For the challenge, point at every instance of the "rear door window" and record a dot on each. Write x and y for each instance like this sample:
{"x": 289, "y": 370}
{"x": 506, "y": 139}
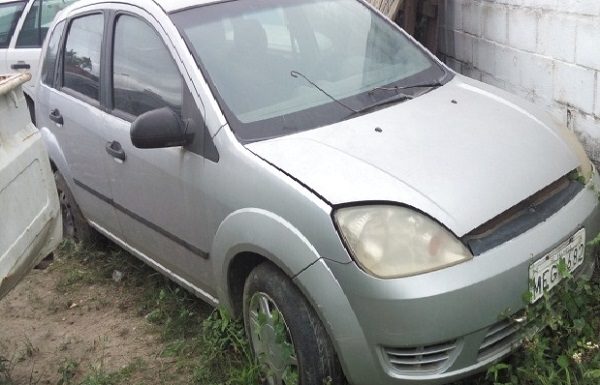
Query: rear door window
{"x": 82, "y": 56}
{"x": 9, "y": 16}
{"x": 38, "y": 20}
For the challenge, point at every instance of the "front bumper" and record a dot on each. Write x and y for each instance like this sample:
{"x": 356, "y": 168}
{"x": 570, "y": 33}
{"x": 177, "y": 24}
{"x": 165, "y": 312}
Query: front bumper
{"x": 445, "y": 325}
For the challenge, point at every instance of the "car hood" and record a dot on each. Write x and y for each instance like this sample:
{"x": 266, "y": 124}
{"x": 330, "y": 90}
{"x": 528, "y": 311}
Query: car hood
{"x": 463, "y": 153}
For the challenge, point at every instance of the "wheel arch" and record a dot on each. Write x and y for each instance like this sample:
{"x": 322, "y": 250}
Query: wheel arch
{"x": 249, "y": 237}
{"x": 239, "y": 269}
{"x": 58, "y": 162}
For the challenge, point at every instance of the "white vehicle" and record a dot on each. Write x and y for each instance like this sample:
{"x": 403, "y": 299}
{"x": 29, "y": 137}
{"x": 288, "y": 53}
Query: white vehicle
{"x": 23, "y": 28}
{"x": 30, "y": 225}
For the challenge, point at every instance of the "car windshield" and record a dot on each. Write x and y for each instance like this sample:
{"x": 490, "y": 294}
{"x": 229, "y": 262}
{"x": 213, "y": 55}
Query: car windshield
{"x": 9, "y": 15}
{"x": 251, "y": 52}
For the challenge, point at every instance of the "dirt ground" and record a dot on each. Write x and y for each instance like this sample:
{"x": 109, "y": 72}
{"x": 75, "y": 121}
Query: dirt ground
{"x": 50, "y": 335}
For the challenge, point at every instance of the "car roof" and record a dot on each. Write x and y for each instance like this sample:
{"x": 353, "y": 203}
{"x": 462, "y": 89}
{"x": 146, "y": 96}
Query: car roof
{"x": 174, "y": 5}
{"x": 167, "y": 6}
{"x": 12, "y": 1}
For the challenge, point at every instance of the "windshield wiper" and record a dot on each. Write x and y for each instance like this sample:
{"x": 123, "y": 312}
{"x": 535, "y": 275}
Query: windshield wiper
{"x": 397, "y": 98}
{"x": 411, "y": 86}
{"x": 296, "y": 74}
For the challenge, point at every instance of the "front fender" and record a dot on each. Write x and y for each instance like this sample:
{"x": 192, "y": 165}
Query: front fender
{"x": 261, "y": 232}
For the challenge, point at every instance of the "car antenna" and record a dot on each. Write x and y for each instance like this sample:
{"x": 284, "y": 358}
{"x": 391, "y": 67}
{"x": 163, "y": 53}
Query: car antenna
{"x": 296, "y": 74}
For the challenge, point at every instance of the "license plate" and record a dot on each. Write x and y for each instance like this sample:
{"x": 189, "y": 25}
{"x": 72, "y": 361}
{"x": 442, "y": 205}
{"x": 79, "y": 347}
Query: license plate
{"x": 544, "y": 273}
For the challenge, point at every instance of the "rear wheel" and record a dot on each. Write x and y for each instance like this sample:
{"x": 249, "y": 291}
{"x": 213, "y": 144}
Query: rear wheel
{"x": 75, "y": 227}
{"x": 288, "y": 339}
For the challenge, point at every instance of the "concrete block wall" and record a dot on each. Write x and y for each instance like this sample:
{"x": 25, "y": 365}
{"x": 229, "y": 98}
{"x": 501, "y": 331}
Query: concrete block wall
{"x": 546, "y": 51}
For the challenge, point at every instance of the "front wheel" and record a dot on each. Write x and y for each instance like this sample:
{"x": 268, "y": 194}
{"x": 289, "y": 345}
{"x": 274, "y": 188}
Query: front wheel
{"x": 288, "y": 339}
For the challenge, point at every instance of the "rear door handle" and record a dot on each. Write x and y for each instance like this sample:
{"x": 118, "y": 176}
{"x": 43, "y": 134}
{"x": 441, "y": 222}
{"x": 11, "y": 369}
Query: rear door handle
{"x": 20, "y": 66}
{"x": 115, "y": 150}
{"x": 56, "y": 117}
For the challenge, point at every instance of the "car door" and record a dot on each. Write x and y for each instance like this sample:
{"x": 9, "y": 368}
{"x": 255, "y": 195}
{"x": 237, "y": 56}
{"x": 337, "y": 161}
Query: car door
{"x": 10, "y": 13}
{"x": 24, "y": 51}
{"x": 69, "y": 106}
{"x": 158, "y": 192}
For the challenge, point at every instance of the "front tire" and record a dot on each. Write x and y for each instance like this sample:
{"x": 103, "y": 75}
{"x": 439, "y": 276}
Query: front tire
{"x": 288, "y": 339}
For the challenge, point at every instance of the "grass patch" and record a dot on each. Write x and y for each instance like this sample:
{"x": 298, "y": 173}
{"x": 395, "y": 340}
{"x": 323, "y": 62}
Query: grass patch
{"x": 99, "y": 376}
{"x": 212, "y": 349}
{"x": 85, "y": 264}
{"x": 5, "y": 371}
{"x": 227, "y": 352}
{"x": 565, "y": 350}
{"x": 67, "y": 372}
{"x": 206, "y": 346}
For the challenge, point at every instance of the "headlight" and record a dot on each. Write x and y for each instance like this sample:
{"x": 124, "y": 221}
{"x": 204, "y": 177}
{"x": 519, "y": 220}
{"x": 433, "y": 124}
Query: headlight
{"x": 394, "y": 241}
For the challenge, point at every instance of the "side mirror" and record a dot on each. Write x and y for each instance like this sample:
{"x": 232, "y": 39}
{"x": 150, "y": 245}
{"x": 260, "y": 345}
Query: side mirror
{"x": 160, "y": 128}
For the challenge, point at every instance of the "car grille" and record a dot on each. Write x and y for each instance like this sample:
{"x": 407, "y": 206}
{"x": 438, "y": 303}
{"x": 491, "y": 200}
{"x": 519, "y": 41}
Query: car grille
{"x": 422, "y": 359}
{"x": 522, "y": 217}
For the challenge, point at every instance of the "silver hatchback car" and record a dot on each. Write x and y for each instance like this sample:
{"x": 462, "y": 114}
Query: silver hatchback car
{"x": 309, "y": 166}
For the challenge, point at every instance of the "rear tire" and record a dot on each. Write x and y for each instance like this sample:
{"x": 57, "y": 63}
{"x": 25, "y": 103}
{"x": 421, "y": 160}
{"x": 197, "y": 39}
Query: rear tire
{"x": 288, "y": 339}
{"x": 75, "y": 226}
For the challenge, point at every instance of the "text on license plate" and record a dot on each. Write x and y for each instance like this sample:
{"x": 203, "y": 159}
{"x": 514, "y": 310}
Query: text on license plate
{"x": 544, "y": 273}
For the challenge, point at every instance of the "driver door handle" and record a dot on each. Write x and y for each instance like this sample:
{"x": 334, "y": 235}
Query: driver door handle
{"x": 20, "y": 66}
{"x": 115, "y": 150}
{"x": 56, "y": 117}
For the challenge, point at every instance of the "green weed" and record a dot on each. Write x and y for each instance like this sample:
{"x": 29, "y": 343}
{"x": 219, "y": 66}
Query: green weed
{"x": 226, "y": 357}
{"x": 214, "y": 348}
{"x": 177, "y": 312}
{"x": 576, "y": 175}
{"x": 99, "y": 376}
{"x": 565, "y": 350}
{"x": 67, "y": 371}
{"x": 5, "y": 372}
